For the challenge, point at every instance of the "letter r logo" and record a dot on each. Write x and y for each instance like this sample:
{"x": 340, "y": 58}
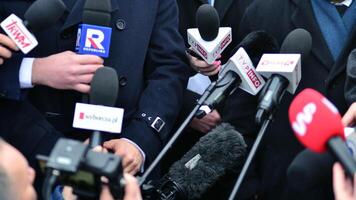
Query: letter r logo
{"x": 94, "y": 39}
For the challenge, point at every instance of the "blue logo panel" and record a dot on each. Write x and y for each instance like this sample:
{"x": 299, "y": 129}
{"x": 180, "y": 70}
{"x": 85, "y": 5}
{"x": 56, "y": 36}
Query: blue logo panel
{"x": 93, "y": 40}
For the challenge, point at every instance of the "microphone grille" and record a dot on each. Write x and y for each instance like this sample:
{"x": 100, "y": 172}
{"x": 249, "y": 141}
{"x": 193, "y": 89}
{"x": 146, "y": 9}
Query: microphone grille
{"x": 297, "y": 41}
{"x": 208, "y": 22}
{"x": 97, "y": 12}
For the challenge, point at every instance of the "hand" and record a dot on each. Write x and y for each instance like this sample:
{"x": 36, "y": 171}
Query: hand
{"x": 132, "y": 190}
{"x": 343, "y": 188}
{"x": 6, "y": 45}
{"x": 203, "y": 67}
{"x": 131, "y": 157}
{"x": 207, "y": 123}
{"x": 66, "y": 70}
{"x": 349, "y": 118}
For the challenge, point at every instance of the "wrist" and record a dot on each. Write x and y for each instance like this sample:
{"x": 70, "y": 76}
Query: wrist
{"x": 37, "y": 77}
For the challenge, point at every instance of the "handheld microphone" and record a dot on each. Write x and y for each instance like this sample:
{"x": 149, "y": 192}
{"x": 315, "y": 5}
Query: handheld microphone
{"x": 220, "y": 151}
{"x": 208, "y": 41}
{"x": 283, "y": 71}
{"x": 94, "y": 35}
{"x": 307, "y": 115}
{"x": 40, "y": 15}
{"x": 103, "y": 91}
{"x": 350, "y": 84}
{"x": 239, "y": 71}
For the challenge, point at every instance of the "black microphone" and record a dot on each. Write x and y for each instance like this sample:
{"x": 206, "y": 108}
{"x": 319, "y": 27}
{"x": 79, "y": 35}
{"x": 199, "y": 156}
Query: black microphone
{"x": 309, "y": 170}
{"x": 350, "y": 84}
{"x": 103, "y": 91}
{"x": 208, "y": 40}
{"x": 298, "y": 41}
{"x": 40, "y": 15}
{"x": 239, "y": 70}
{"x": 43, "y": 14}
{"x": 220, "y": 151}
{"x": 94, "y": 34}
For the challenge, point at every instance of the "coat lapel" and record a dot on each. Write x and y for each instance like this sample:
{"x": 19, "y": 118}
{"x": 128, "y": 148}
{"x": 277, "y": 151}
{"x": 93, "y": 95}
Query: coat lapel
{"x": 222, "y": 7}
{"x": 75, "y": 8}
{"x": 303, "y": 17}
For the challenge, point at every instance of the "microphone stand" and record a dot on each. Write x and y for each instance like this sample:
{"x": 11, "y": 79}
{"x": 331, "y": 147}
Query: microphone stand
{"x": 170, "y": 143}
{"x": 250, "y": 157}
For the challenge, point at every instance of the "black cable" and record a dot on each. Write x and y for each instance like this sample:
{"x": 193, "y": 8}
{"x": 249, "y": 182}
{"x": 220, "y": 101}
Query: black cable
{"x": 49, "y": 182}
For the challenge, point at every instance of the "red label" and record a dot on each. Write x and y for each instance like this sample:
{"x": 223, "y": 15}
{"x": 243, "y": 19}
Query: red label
{"x": 202, "y": 51}
{"x": 253, "y": 77}
{"x": 225, "y": 42}
{"x": 81, "y": 115}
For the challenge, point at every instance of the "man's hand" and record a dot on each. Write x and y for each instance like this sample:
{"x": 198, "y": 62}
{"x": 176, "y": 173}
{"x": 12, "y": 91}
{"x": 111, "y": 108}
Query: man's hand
{"x": 349, "y": 118}
{"x": 207, "y": 123}
{"x": 6, "y": 45}
{"x": 343, "y": 188}
{"x": 132, "y": 190}
{"x": 66, "y": 70}
{"x": 203, "y": 67}
{"x": 131, "y": 156}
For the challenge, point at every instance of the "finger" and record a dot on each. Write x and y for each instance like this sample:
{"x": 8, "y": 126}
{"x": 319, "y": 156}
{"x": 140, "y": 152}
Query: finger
{"x": 350, "y": 116}
{"x": 98, "y": 149}
{"x": 86, "y": 78}
{"x": 86, "y": 69}
{"x": 126, "y": 161}
{"x": 339, "y": 181}
{"x": 89, "y": 59}
{"x": 1, "y": 61}
{"x": 83, "y": 88}
{"x": 216, "y": 116}
{"x": 131, "y": 168}
{"x": 132, "y": 190}
{"x": 4, "y": 52}
{"x": 215, "y": 71}
{"x": 6, "y": 41}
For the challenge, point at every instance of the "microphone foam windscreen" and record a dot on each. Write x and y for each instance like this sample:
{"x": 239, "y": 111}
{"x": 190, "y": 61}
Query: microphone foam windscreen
{"x": 97, "y": 12}
{"x": 314, "y": 120}
{"x": 350, "y": 85}
{"x": 104, "y": 87}
{"x": 297, "y": 41}
{"x": 208, "y": 22}
{"x": 44, "y": 13}
{"x": 309, "y": 170}
{"x": 221, "y": 150}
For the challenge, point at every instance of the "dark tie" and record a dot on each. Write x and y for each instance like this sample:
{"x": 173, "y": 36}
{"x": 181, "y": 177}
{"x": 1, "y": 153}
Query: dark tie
{"x": 341, "y": 9}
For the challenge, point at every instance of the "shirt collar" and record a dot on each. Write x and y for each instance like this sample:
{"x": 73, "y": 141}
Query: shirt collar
{"x": 345, "y": 3}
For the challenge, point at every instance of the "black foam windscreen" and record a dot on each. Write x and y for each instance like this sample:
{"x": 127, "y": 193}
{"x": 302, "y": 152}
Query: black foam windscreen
{"x": 97, "y": 12}
{"x": 350, "y": 84}
{"x": 208, "y": 22}
{"x": 104, "y": 87}
{"x": 309, "y": 170}
{"x": 220, "y": 151}
{"x": 44, "y": 13}
{"x": 297, "y": 41}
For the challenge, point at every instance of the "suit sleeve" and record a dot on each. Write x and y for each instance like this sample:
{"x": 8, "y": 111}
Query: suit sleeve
{"x": 166, "y": 76}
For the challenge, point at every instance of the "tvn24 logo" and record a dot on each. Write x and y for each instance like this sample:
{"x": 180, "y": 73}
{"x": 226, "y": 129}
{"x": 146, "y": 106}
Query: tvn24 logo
{"x": 93, "y": 40}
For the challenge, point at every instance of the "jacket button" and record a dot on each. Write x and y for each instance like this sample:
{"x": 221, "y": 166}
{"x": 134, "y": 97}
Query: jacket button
{"x": 122, "y": 81}
{"x": 120, "y": 24}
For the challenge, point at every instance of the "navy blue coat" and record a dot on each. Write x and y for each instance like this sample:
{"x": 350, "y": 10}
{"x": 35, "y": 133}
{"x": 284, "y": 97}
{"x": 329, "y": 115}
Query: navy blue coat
{"x": 147, "y": 52}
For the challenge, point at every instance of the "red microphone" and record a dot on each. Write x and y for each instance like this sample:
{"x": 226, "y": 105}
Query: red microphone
{"x": 317, "y": 124}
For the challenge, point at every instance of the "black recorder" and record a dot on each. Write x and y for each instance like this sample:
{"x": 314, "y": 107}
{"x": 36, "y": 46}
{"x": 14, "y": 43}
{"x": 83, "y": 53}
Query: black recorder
{"x": 72, "y": 163}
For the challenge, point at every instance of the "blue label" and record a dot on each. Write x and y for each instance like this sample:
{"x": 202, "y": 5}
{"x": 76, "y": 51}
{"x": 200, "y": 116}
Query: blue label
{"x": 93, "y": 40}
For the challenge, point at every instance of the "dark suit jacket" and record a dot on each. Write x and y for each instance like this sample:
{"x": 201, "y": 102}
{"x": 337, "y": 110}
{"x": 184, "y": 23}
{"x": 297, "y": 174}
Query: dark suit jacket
{"x": 147, "y": 53}
{"x": 319, "y": 72}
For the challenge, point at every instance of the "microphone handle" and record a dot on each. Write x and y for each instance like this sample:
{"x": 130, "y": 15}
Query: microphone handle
{"x": 95, "y": 139}
{"x": 338, "y": 148}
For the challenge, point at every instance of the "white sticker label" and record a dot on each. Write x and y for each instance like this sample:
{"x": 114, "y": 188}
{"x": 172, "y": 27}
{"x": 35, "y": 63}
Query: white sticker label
{"x": 100, "y": 118}
{"x": 16, "y": 30}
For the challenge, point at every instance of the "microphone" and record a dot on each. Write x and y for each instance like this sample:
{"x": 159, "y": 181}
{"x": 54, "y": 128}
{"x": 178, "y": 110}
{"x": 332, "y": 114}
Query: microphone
{"x": 283, "y": 71}
{"x": 350, "y": 84}
{"x": 239, "y": 71}
{"x": 208, "y": 41}
{"x": 94, "y": 34}
{"x": 103, "y": 91}
{"x": 220, "y": 151}
{"x": 307, "y": 115}
{"x": 40, "y": 15}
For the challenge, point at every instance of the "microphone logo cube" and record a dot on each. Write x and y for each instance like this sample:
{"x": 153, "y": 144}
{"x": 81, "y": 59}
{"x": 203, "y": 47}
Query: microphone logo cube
{"x": 93, "y": 40}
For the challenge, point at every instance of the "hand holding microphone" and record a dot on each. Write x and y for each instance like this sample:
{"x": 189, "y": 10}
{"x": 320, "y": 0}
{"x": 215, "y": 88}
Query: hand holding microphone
{"x": 349, "y": 119}
{"x": 344, "y": 188}
{"x": 6, "y": 46}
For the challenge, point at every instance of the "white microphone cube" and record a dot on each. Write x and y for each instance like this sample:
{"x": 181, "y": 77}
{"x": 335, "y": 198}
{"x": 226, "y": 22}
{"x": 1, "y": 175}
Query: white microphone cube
{"x": 209, "y": 50}
{"x": 286, "y": 65}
